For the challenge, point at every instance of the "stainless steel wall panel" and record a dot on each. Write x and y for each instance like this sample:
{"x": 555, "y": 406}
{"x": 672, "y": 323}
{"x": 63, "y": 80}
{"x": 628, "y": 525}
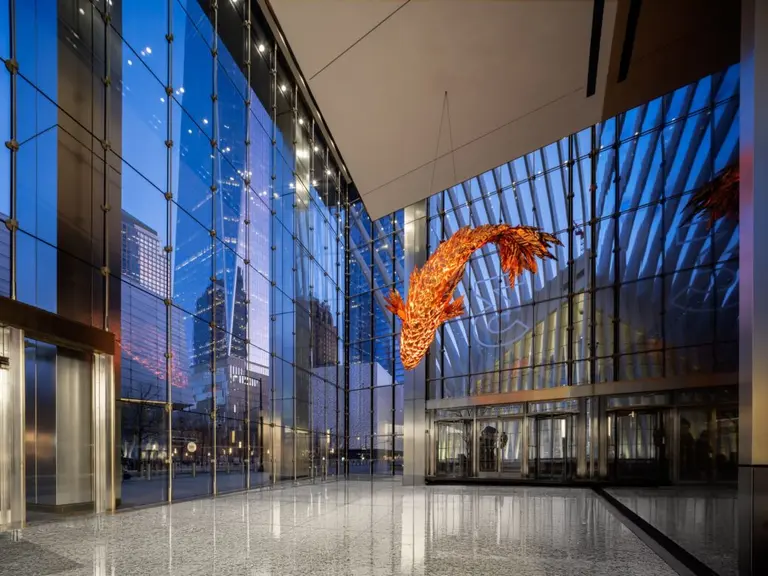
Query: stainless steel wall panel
{"x": 415, "y": 381}
{"x": 74, "y": 438}
{"x": 12, "y": 481}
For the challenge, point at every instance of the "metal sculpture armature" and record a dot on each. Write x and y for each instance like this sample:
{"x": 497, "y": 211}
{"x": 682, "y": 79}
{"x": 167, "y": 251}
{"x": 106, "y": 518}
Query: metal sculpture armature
{"x": 719, "y": 197}
{"x": 430, "y": 293}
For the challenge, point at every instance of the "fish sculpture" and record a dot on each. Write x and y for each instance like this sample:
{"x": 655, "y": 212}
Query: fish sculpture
{"x": 430, "y": 293}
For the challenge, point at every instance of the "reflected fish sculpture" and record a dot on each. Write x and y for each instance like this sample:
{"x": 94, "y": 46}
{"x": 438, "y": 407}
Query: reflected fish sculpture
{"x": 430, "y": 293}
{"x": 718, "y": 198}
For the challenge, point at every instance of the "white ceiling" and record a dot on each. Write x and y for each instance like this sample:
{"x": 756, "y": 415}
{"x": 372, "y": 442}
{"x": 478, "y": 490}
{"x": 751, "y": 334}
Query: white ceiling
{"x": 515, "y": 73}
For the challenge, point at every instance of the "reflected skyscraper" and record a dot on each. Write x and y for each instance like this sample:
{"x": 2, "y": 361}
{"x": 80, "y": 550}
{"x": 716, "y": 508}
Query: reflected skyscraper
{"x": 143, "y": 324}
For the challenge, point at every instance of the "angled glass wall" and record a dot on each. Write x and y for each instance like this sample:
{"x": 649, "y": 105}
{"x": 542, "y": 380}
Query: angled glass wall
{"x": 637, "y": 291}
{"x": 170, "y": 186}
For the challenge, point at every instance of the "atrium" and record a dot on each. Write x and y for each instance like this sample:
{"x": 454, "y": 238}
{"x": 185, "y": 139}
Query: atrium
{"x": 382, "y": 288}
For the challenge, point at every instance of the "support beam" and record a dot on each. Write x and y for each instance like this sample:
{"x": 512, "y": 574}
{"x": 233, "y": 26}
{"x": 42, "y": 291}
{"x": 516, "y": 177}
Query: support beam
{"x": 414, "y": 415}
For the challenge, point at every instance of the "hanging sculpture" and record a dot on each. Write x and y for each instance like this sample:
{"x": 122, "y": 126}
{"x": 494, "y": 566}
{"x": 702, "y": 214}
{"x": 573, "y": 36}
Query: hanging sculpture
{"x": 430, "y": 294}
{"x": 719, "y": 197}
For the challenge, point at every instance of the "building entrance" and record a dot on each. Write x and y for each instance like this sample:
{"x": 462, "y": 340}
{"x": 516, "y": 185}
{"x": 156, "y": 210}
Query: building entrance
{"x": 552, "y": 447}
{"x": 637, "y": 446}
{"x": 454, "y": 449}
{"x": 500, "y": 450}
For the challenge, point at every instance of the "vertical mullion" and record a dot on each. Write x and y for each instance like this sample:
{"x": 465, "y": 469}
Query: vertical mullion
{"x": 275, "y": 226}
{"x": 593, "y": 257}
{"x": 168, "y": 247}
{"x": 298, "y": 255}
{"x": 616, "y": 254}
{"x": 214, "y": 200}
{"x": 12, "y": 65}
{"x": 247, "y": 260}
{"x": 569, "y": 210}
{"x": 348, "y": 252}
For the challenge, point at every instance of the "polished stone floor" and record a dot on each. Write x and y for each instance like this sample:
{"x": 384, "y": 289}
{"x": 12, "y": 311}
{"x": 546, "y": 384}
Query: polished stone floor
{"x": 702, "y": 520}
{"x": 365, "y": 528}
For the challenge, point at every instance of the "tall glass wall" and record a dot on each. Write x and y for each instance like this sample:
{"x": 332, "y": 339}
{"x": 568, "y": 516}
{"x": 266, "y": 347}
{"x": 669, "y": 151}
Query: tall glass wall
{"x": 169, "y": 185}
{"x": 376, "y": 262}
{"x": 637, "y": 291}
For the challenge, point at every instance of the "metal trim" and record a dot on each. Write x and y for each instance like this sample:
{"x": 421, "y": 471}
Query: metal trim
{"x": 589, "y": 390}
{"x": 43, "y": 325}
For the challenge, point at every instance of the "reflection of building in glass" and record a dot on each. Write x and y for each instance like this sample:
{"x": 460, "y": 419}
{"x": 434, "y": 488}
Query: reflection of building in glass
{"x": 320, "y": 326}
{"x": 143, "y": 319}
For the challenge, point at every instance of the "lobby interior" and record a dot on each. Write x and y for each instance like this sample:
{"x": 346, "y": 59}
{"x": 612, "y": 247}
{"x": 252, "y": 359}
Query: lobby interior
{"x": 208, "y": 206}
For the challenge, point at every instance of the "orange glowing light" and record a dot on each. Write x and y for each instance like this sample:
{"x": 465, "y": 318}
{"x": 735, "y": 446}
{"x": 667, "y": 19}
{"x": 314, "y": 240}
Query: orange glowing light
{"x": 430, "y": 292}
{"x": 719, "y": 197}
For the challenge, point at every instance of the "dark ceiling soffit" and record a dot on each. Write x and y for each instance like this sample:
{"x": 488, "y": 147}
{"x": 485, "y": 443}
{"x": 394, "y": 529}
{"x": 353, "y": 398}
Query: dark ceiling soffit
{"x": 44, "y": 325}
{"x": 629, "y": 38}
{"x": 293, "y": 65}
{"x": 598, "y": 8}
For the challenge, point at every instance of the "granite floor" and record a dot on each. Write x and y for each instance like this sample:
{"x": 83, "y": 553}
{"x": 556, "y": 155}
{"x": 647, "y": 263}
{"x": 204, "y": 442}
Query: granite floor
{"x": 702, "y": 520}
{"x": 365, "y": 528}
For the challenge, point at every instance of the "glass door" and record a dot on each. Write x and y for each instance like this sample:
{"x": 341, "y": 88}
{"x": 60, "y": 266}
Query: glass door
{"x": 511, "y": 447}
{"x": 454, "y": 441}
{"x": 488, "y": 461}
{"x": 554, "y": 447}
{"x": 638, "y": 445}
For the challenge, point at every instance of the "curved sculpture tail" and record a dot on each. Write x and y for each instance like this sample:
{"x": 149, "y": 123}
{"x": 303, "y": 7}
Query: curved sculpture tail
{"x": 519, "y": 246}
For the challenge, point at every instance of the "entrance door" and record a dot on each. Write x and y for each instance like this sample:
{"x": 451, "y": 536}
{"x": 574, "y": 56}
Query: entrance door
{"x": 511, "y": 447}
{"x": 552, "y": 451}
{"x": 454, "y": 441}
{"x": 500, "y": 446}
{"x": 640, "y": 446}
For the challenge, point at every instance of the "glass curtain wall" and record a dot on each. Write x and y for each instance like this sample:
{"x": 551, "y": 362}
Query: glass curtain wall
{"x": 376, "y": 265}
{"x": 208, "y": 233}
{"x": 638, "y": 289}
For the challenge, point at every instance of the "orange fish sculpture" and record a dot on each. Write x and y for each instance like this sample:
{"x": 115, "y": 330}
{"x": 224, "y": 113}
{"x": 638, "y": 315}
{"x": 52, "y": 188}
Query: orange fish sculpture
{"x": 430, "y": 294}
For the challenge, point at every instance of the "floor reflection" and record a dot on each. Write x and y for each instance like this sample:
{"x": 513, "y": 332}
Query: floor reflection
{"x": 701, "y": 520}
{"x": 359, "y": 528}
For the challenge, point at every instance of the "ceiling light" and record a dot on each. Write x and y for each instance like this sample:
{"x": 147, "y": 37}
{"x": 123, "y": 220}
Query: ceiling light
{"x": 181, "y": 89}
{"x": 316, "y": 149}
{"x": 162, "y": 99}
{"x": 327, "y": 172}
{"x": 262, "y": 47}
{"x": 148, "y": 49}
{"x": 283, "y": 87}
{"x": 190, "y": 130}
{"x": 205, "y": 120}
{"x": 314, "y": 182}
{"x": 130, "y": 62}
{"x": 82, "y": 11}
{"x": 301, "y": 121}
